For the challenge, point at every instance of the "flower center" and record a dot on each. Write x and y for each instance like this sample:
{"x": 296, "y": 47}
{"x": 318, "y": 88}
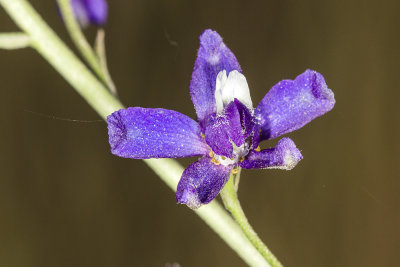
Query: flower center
{"x": 238, "y": 154}
{"x": 230, "y": 130}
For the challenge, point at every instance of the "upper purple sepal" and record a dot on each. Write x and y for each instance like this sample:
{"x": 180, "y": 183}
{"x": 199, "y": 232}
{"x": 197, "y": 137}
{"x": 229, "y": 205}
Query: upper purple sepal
{"x": 213, "y": 56}
{"x": 201, "y": 182}
{"x": 142, "y": 133}
{"x": 291, "y": 104}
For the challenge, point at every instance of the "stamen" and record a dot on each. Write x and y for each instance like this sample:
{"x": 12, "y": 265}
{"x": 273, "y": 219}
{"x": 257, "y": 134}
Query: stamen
{"x": 241, "y": 160}
{"x": 235, "y": 171}
{"x": 216, "y": 162}
{"x": 258, "y": 149}
{"x": 202, "y": 135}
{"x": 211, "y": 154}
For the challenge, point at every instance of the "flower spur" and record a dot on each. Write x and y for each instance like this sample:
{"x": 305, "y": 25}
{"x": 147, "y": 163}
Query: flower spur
{"x": 228, "y": 130}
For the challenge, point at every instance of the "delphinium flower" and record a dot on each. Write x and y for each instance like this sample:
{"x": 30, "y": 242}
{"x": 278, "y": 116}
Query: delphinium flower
{"x": 90, "y": 11}
{"x": 229, "y": 128}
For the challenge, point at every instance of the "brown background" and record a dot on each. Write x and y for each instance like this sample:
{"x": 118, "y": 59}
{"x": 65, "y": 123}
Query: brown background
{"x": 66, "y": 201}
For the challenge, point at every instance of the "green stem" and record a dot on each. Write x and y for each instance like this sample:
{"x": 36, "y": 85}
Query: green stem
{"x": 231, "y": 201}
{"x": 80, "y": 41}
{"x": 47, "y": 43}
{"x": 14, "y": 40}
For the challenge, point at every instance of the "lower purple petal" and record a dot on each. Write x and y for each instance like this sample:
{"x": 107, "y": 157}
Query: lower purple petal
{"x": 217, "y": 136}
{"x": 290, "y": 105}
{"x": 284, "y": 156}
{"x": 142, "y": 133}
{"x": 201, "y": 182}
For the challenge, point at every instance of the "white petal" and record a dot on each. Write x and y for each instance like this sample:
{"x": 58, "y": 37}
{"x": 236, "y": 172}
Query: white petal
{"x": 221, "y": 80}
{"x": 231, "y": 87}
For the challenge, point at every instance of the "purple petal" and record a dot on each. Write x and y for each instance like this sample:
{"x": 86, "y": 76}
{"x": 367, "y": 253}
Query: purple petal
{"x": 224, "y": 129}
{"x": 142, "y": 133}
{"x": 290, "y": 105}
{"x": 217, "y": 136}
{"x": 212, "y": 57}
{"x": 249, "y": 125}
{"x": 97, "y": 11}
{"x": 201, "y": 182}
{"x": 284, "y": 156}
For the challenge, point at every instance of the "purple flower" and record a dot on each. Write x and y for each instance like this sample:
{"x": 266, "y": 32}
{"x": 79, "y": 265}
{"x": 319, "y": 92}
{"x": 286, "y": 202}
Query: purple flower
{"x": 90, "y": 11}
{"x": 228, "y": 130}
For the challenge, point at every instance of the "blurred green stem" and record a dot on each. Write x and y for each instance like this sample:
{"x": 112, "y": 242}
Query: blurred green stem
{"x": 231, "y": 202}
{"x": 14, "y": 40}
{"x": 47, "y": 43}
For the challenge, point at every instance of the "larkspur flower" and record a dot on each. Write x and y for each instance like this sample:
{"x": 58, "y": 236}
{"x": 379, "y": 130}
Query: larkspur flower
{"x": 229, "y": 129}
{"x": 90, "y": 11}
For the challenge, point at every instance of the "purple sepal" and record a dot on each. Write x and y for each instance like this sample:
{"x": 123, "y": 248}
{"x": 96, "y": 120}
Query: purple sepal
{"x": 284, "y": 156}
{"x": 142, "y": 133}
{"x": 201, "y": 182}
{"x": 291, "y": 104}
{"x": 213, "y": 56}
{"x": 90, "y": 11}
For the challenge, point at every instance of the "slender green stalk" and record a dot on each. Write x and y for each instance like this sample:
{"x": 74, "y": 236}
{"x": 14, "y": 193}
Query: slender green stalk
{"x": 81, "y": 43}
{"x": 46, "y": 42}
{"x": 14, "y": 40}
{"x": 231, "y": 201}
{"x": 100, "y": 47}
{"x": 237, "y": 179}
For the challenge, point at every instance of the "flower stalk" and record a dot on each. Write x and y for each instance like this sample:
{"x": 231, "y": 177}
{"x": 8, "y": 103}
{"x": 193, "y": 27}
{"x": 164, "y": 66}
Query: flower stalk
{"x": 230, "y": 199}
{"x": 100, "y": 49}
{"x": 47, "y": 43}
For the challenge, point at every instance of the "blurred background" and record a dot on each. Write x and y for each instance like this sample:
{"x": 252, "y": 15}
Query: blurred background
{"x": 66, "y": 201}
